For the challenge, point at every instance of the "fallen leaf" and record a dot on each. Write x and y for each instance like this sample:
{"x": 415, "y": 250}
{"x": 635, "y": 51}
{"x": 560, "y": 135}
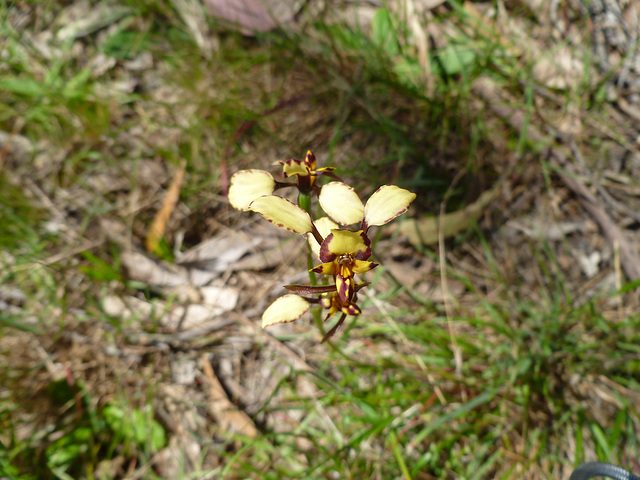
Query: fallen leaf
{"x": 225, "y": 412}
{"x": 159, "y": 225}
{"x": 424, "y": 231}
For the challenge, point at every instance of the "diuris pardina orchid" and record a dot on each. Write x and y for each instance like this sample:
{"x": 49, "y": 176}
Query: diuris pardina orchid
{"x": 247, "y": 185}
{"x": 343, "y": 252}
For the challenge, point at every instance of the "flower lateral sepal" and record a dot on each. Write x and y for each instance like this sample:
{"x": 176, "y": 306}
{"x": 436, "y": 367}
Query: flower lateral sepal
{"x": 247, "y": 185}
{"x": 386, "y": 204}
{"x": 285, "y": 309}
{"x": 282, "y": 213}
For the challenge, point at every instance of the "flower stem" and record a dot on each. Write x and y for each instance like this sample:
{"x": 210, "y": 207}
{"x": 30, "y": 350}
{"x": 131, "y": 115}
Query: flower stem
{"x": 304, "y": 201}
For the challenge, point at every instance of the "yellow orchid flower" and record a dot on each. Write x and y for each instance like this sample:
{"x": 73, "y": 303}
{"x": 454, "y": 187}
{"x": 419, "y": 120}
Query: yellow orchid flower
{"x": 344, "y": 253}
{"x": 305, "y": 172}
{"x": 342, "y": 204}
{"x": 284, "y": 310}
{"x": 247, "y": 185}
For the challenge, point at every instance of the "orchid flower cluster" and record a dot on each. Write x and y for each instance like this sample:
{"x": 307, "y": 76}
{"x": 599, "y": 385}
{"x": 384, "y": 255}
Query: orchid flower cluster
{"x": 343, "y": 251}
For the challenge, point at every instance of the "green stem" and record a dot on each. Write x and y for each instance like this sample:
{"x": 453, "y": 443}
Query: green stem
{"x": 304, "y": 201}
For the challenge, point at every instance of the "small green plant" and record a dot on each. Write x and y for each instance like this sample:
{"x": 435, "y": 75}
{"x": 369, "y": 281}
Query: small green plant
{"x": 93, "y": 434}
{"x": 135, "y": 428}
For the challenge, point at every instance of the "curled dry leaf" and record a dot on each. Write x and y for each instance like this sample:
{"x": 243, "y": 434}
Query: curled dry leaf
{"x": 159, "y": 224}
{"x": 230, "y": 417}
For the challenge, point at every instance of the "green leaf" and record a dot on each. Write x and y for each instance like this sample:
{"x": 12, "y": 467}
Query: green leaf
{"x": 60, "y": 391}
{"x": 383, "y": 33}
{"x": 99, "y": 269}
{"x": 11, "y": 322}
{"x": 453, "y": 59}
{"x": 601, "y": 441}
{"x": 137, "y": 426}
{"x": 125, "y": 45}
{"x": 408, "y": 71}
{"x": 63, "y": 451}
{"x": 76, "y": 86}
{"x": 27, "y": 87}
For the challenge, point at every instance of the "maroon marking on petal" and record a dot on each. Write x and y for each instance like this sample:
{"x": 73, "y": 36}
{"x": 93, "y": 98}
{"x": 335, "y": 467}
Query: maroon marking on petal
{"x": 351, "y": 309}
{"x": 365, "y": 227}
{"x": 342, "y": 287}
{"x": 359, "y": 286}
{"x": 320, "y": 269}
{"x": 310, "y": 160}
{"x": 345, "y": 288}
{"x": 278, "y": 224}
{"x": 325, "y": 255}
{"x": 289, "y": 162}
{"x": 366, "y": 253}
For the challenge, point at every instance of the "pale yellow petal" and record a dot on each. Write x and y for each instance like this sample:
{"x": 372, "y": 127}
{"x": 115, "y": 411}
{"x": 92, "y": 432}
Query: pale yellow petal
{"x": 324, "y": 226}
{"x": 293, "y": 167}
{"x": 282, "y": 213}
{"x": 247, "y": 185}
{"x": 341, "y": 202}
{"x": 387, "y": 203}
{"x": 345, "y": 242}
{"x": 284, "y": 310}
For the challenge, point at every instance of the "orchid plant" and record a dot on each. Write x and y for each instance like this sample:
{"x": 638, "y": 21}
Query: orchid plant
{"x": 339, "y": 240}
